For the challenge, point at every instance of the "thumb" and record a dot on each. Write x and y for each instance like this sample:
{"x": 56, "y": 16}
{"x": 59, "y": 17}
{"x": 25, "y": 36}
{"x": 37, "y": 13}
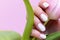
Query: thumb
{"x": 53, "y": 10}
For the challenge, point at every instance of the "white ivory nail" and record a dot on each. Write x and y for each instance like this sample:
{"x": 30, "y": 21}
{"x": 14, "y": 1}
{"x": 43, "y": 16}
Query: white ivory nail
{"x": 41, "y": 27}
{"x": 42, "y": 36}
{"x": 44, "y": 17}
{"x": 45, "y": 4}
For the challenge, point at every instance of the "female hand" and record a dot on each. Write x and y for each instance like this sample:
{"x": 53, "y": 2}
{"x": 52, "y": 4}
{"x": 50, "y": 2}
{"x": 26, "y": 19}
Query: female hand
{"x": 45, "y": 9}
{"x": 53, "y": 14}
{"x": 39, "y": 17}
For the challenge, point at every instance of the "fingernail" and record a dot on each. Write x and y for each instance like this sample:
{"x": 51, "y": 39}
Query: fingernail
{"x": 41, "y": 27}
{"x": 45, "y": 4}
{"x": 44, "y": 17}
{"x": 42, "y": 36}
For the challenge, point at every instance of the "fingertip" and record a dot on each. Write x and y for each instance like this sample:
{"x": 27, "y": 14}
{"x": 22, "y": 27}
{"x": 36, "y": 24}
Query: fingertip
{"x": 37, "y": 34}
{"x": 44, "y": 17}
{"x": 42, "y": 36}
{"x": 41, "y": 27}
{"x": 43, "y": 4}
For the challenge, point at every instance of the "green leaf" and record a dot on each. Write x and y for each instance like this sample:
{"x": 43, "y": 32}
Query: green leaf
{"x": 53, "y": 36}
{"x": 9, "y": 35}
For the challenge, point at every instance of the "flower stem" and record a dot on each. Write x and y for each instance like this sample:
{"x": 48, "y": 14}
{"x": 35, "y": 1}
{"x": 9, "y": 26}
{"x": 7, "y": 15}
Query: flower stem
{"x": 30, "y": 21}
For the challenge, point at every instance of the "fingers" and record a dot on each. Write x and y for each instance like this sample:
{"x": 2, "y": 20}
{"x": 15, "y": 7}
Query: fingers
{"x": 38, "y": 24}
{"x": 37, "y": 34}
{"x": 40, "y": 13}
{"x": 53, "y": 9}
{"x": 43, "y": 4}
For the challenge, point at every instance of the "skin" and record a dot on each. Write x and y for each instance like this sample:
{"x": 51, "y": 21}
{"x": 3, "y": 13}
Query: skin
{"x": 52, "y": 24}
{"x": 53, "y": 11}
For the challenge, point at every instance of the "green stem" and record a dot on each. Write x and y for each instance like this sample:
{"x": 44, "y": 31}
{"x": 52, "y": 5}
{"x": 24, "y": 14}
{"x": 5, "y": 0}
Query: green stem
{"x": 30, "y": 21}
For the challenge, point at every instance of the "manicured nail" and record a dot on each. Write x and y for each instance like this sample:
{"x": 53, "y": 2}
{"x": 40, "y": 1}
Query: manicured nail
{"x": 42, "y": 36}
{"x": 45, "y": 4}
{"x": 41, "y": 27}
{"x": 44, "y": 17}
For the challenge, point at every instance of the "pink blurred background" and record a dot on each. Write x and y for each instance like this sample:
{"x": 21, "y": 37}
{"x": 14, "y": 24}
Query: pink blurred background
{"x": 13, "y": 15}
